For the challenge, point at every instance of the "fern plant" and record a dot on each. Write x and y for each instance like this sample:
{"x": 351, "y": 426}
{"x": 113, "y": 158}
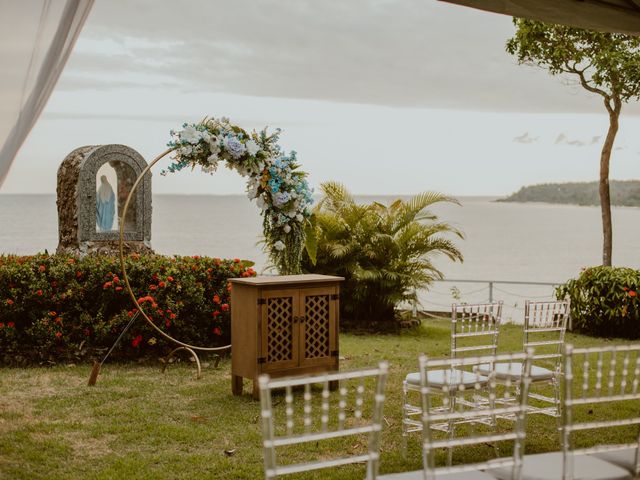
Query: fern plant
{"x": 384, "y": 252}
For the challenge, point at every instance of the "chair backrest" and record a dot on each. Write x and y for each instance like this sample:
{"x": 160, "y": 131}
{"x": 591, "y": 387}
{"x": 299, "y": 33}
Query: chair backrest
{"x": 608, "y": 376}
{"x": 352, "y": 417}
{"x": 458, "y": 385}
{"x": 545, "y": 324}
{"x": 478, "y": 324}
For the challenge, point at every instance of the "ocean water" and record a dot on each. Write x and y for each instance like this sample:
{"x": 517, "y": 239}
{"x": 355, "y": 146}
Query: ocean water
{"x": 503, "y": 241}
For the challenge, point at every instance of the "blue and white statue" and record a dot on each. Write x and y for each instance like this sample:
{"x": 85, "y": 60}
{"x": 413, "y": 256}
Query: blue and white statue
{"x": 105, "y": 205}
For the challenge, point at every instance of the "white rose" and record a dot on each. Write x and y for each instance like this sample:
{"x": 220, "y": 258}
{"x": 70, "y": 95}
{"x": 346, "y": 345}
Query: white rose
{"x": 252, "y": 147}
{"x": 279, "y": 245}
{"x": 261, "y": 203}
{"x": 205, "y": 136}
{"x": 291, "y": 213}
{"x": 186, "y": 151}
{"x": 190, "y": 135}
{"x": 299, "y": 217}
{"x": 287, "y": 229}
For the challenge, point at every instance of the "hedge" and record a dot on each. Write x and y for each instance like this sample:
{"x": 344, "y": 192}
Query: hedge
{"x": 604, "y": 301}
{"x": 60, "y": 308}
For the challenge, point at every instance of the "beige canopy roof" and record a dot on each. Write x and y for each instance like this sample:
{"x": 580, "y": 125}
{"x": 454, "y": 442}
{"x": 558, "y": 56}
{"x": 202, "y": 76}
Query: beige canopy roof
{"x": 620, "y": 16}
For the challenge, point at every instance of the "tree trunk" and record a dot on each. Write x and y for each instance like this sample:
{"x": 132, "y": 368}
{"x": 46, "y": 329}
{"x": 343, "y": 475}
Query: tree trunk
{"x": 605, "y": 197}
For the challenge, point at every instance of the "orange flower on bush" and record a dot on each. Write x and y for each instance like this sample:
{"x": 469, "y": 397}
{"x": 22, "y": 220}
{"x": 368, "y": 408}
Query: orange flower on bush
{"x": 161, "y": 284}
{"x": 42, "y": 268}
{"x": 9, "y": 302}
{"x": 107, "y": 285}
{"x": 632, "y": 293}
{"x": 172, "y": 316}
{"x": 78, "y": 274}
{"x": 216, "y": 298}
{"x": 169, "y": 279}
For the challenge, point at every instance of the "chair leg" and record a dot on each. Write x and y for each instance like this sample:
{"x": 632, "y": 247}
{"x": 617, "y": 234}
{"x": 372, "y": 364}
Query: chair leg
{"x": 405, "y": 417}
{"x": 451, "y": 427}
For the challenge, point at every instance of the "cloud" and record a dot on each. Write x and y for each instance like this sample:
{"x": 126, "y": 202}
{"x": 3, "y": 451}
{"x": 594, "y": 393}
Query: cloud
{"x": 525, "y": 138}
{"x": 595, "y": 139}
{"x": 397, "y": 53}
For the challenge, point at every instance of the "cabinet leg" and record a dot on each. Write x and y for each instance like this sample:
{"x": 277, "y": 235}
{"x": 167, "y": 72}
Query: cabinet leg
{"x": 333, "y": 386}
{"x": 236, "y": 385}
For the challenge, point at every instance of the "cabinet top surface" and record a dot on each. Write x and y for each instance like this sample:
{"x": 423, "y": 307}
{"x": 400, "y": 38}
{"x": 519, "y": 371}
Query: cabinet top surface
{"x": 286, "y": 279}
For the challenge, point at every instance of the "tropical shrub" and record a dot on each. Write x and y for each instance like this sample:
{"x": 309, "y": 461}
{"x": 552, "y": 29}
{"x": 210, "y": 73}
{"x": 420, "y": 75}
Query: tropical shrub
{"x": 63, "y": 308}
{"x": 604, "y": 301}
{"x": 384, "y": 252}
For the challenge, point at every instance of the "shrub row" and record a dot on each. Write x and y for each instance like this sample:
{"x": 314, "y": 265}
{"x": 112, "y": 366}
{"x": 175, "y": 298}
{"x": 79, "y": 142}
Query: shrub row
{"x": 604, "y": 301}
{"x": 57, "y": 308}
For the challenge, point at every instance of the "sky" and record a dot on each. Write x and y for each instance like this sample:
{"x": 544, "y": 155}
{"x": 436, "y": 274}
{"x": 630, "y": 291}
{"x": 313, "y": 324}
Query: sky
{"x": 385, "y": 96}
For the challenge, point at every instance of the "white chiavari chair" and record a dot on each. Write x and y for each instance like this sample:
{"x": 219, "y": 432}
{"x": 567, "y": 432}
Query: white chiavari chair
{"x": 438, "y": 407}
{"x": 474, "y": 330}
{"x": 545, "y": 325}
{"x": 601, "y": 397}
{"x": 357, "y": 412}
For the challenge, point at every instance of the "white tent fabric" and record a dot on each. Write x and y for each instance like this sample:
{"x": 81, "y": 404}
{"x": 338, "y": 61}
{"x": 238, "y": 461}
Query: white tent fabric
{"x": 36, "y": 38}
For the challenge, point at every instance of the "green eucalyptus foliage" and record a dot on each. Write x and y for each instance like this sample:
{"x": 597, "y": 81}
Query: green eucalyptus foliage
{"x": 604, "y": 301}
{"x": 384, "y": 252}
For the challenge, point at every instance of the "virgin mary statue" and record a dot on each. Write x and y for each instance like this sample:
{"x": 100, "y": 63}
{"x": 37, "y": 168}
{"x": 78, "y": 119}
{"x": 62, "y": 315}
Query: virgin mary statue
{"x": 105, "y": 205}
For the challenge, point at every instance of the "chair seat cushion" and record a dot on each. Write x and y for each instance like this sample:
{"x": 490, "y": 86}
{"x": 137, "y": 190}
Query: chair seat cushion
{"x": 623, "y": 458}
{"x": 548, "y": 466}
{"x": 447, "y": 377}
{"x": 513, "y": 371}
{"x": 419, "y": 475}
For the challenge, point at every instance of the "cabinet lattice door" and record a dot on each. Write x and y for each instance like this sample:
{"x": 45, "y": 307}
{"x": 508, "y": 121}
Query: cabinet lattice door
{"x": 280, "y": 337}
{"x": 317, "y": 338}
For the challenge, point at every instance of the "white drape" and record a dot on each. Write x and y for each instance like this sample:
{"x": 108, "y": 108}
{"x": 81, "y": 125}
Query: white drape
{"x": 36, "y": 38}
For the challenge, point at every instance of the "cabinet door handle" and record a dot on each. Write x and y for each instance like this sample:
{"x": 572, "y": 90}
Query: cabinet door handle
{"x": 302, "y": 318}
{"x": 295, "y": 319}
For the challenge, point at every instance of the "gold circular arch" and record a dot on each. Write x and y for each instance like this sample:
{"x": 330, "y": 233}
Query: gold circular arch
{"x": 124, "y": 268}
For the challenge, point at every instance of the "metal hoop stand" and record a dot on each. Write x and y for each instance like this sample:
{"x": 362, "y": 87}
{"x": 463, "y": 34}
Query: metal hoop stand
{"x": 181, "y": 345}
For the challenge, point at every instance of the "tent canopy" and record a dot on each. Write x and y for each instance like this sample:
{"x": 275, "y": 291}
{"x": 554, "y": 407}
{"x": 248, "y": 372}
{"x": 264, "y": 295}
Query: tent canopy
{"x": 619, "y": 16}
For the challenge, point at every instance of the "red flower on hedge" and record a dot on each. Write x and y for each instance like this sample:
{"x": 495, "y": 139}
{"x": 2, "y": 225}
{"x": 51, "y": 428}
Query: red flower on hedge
{"x": 167, "y": 323}
{"x": 236, "y": 260}
{"x": 71, "y": 261}
{"x": 217, "y": 331}
{"x": 9, "y": 302}
{"x": 215, "y": 313}
{"x": 58, "y": 334}
{"x": 225, "y": 307}
{"x": 118, "y": 289}
{"x": 42, "y": 268}
{"x": 116, "y": 279}
{"x": 136, "y": 341}
{"x": 39, "y": 292}
{"x": 1, "y": 324}
{"x": 87, "y": 332}
{"x": 161, "y": 284}
{"x": 172, "y": 316}
{"x": 632, "y": 293}
{"x": 107, "y": 285}
{"x": 153, "y": 287}
{"x": 169, "y": 279}
{"x": 53, "y": 314}
{"x": 11, "y": 325}
{"x": 216, "y": 298}
{"x": 78, "y": 274}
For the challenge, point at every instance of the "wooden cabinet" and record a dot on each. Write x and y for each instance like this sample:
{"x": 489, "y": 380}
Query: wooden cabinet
{"x": 283, "y": 325}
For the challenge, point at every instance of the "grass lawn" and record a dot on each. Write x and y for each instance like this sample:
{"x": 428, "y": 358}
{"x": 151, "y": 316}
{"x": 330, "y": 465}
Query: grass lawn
{"x": 139, "y": 423}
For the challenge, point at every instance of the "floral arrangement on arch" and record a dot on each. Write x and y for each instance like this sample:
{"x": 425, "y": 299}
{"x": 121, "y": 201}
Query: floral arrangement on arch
{"x": 274, "y": 181}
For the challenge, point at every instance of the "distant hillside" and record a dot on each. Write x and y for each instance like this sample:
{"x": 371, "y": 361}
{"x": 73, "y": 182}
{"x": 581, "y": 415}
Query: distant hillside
{"x": 623, "y": 193}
